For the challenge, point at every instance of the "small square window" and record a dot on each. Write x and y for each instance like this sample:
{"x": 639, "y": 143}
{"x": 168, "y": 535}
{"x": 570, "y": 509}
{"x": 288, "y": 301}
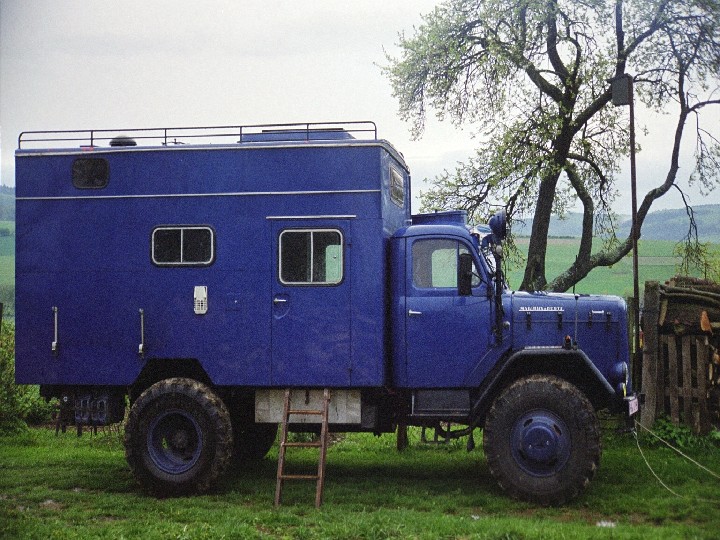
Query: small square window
{"x": 90, "y": 173}
{"x": 311, "y": 257}
{"x": 183, "y": 246}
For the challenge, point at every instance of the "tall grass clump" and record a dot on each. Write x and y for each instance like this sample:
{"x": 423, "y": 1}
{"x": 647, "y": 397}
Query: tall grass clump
{"x": 19, "y": 404}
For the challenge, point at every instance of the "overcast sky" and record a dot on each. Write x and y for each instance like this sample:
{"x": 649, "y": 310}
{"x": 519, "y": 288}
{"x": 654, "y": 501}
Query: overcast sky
{"x": 147, "y": 63}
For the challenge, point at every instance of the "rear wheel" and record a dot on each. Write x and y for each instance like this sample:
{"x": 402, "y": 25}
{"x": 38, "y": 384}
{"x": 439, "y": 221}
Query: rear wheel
{"x": 542, "y": 440}
{"x": 178, "y": 438}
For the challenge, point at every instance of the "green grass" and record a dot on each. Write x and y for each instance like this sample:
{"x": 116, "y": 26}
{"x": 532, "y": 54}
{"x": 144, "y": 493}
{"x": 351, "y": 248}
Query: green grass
{"x": 67, "y": 487}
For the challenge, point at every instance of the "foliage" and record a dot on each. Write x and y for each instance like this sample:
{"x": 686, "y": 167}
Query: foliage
{"x": 18, "y": 403}
{"x": 533, "y": 76}
{"x": 702, "y": 257}
{"x": 681, "y": 436}
{"x": 7, "y": 298}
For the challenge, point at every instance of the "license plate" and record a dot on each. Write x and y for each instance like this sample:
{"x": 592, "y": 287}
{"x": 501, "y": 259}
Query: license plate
{"x": 633, "y": 405}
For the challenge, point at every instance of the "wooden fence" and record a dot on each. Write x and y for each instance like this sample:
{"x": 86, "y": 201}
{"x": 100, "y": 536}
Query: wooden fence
{"x": 676, "y": 369}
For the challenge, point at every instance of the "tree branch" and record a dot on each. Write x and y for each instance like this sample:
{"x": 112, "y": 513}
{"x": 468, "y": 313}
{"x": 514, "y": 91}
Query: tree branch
{"x": 552, "y": 39}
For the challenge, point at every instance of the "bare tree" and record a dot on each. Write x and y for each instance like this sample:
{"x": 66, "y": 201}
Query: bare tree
{"x": 532, "y": 76}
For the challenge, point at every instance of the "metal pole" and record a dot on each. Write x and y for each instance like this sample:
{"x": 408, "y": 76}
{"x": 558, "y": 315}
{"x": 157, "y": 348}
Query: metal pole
{"x": 622, "y": 94}
{"x": 635, "y": 231}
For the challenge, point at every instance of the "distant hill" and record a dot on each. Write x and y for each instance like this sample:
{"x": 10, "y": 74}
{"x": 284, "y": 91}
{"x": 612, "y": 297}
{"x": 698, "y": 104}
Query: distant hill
{"x": 659, "y": 225}
{"x": 673, "y": 224}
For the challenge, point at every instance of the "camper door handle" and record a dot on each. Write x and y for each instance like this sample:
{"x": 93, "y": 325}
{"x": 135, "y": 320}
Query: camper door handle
{"x": 279, "y": 300}
{"x": 54, "y": 345}
{"x": 141, "y": 347}
{"x": 413, "y": 313}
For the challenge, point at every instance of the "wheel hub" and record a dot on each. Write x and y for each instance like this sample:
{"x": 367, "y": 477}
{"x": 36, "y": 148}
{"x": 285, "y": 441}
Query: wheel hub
{"x": 179, "y": 440}
{"x": 540, "y": 443}
{"x": 174, "y": 442}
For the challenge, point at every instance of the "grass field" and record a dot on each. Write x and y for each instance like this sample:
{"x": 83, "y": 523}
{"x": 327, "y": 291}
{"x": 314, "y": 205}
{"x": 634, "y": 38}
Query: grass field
{"x": 67, "y": 487}
{"x": 7, "y": 270}
{"x": 655, "y": 262}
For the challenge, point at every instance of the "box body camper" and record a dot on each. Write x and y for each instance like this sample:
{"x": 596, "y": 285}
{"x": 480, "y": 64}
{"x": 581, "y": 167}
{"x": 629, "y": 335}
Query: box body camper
{"x": 219, "y": 267}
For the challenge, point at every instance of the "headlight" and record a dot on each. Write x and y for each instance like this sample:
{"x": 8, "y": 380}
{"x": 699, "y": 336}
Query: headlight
{"x": 621, "y": 373}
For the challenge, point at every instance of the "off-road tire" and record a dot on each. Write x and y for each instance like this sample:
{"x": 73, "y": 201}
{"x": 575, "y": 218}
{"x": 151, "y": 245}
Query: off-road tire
{"x": 178, "y": 438}
{"x": 542, "y": 440}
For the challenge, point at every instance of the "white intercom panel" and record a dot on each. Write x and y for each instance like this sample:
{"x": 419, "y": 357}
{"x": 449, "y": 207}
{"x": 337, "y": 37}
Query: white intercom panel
{"x": 201, "y": 300}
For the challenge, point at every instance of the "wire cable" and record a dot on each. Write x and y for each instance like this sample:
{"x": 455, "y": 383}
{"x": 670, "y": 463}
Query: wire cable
{"x": 663, "y": 484}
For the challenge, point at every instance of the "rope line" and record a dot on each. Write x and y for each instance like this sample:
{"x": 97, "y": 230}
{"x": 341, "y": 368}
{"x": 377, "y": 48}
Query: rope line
{"x": 663, "y": 484}
{"x": 679, "y": 451}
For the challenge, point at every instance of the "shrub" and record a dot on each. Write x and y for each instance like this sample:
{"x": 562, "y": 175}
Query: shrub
{"x": 19, "y": 404}
{"x": 682, "y": 436}
{"x": 7, "y": 298}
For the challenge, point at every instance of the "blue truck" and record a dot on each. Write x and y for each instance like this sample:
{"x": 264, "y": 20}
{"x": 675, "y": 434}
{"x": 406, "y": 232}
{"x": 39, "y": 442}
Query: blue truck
{"x": 194, "y": 274}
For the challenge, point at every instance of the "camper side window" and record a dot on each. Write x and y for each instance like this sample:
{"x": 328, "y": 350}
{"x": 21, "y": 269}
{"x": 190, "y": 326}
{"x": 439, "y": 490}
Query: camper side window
{"x": 183, "y": 246}
{"x": 397, "y": 187}
{"x": 311, "y": 257}
{"x": 90, "y": 173}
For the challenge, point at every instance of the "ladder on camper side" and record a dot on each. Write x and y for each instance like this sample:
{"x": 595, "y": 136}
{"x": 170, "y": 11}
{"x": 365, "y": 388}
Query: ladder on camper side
{"x": 321, "y": 444}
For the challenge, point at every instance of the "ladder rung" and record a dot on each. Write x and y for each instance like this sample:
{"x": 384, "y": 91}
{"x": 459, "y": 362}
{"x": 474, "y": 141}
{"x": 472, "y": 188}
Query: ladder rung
{"x": 299, "y": 477}
{"x": 303, "y": 444}
{"x": 303, "y": 411}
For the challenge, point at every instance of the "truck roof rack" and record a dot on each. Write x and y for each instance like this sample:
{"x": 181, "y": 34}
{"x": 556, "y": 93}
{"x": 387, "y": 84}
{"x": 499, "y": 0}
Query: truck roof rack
{"x": 167, "y": 136}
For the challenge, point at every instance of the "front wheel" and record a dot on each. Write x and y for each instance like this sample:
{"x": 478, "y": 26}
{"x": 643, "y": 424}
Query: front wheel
{"x": 542, "y": 440}
{"x": 178, "y": 437}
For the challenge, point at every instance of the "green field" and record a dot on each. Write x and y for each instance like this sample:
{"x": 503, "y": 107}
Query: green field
{"x": 65, "y": 487}
{"x": 655, "y": 262}
{"x": 7, "y": 270}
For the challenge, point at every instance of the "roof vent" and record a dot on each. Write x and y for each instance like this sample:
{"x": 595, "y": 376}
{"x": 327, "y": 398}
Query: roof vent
{"x": 123, "y": 140}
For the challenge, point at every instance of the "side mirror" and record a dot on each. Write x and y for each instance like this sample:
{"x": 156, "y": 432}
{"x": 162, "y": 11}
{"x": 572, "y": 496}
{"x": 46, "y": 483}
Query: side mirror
{"x": 498, "y": 226}
{"x": 465, "y": 274}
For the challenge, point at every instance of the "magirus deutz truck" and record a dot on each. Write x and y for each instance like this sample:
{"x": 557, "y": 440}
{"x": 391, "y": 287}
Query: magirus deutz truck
{"x": 195, "y": 274}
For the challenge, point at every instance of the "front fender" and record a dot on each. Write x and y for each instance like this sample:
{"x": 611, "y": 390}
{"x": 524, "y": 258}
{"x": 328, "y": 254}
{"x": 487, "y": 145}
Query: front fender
{"x": 572, "y": 365}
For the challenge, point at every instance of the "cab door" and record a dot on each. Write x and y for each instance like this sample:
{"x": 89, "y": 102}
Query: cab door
{"x": 446, "y": 333}
{"x": 310, "y": 296}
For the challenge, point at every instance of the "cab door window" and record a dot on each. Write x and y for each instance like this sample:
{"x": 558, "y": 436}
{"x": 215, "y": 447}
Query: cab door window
{"x": 435, "y": 264}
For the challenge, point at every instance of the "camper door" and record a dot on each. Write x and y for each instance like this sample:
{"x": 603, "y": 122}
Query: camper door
{"x": 311, "y": 302}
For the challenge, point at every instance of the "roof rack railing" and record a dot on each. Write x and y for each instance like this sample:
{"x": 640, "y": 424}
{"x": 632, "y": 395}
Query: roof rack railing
{"x": 91, "y": 138}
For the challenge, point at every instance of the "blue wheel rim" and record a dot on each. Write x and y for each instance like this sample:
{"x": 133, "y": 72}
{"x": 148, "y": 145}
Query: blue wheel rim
{"x": 174, "y": 441}
{"x": 540, "y": 443}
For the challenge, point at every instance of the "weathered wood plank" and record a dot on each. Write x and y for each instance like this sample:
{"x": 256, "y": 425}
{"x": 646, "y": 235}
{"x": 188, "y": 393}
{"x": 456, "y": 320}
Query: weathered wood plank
{"x": 687, "y": 388}
{"x": 673, "y": 379}
{"x": 703, "y": 359}
{"x": 651, "y": 384}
